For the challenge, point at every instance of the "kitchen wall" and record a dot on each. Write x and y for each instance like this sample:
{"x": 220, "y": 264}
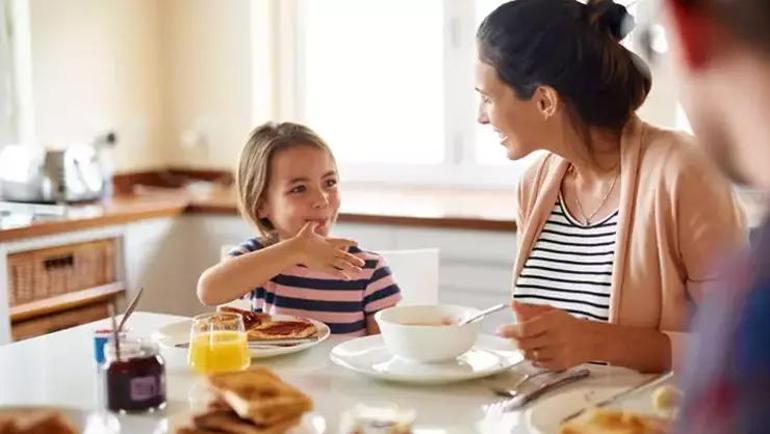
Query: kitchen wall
{"x": 208, "y": 72}
{"x": 175, "y": 78}
{"x": 96, "y": 65}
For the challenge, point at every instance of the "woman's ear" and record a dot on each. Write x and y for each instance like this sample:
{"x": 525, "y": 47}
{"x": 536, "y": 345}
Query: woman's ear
{"x": 547, "y": 100}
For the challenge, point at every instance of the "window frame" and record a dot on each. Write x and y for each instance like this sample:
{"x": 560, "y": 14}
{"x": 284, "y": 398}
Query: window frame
{"x": 459, "y": 168}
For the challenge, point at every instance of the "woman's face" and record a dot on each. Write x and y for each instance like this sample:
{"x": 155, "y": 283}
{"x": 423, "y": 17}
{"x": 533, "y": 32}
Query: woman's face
{"x": 519, "y": 123}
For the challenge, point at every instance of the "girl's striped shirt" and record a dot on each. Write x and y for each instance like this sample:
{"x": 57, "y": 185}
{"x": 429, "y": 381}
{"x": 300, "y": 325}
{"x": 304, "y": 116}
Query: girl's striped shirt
{"x": 342, "y": 304}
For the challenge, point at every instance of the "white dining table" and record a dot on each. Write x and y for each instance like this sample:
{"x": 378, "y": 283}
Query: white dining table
{"x": 58, "y": 369}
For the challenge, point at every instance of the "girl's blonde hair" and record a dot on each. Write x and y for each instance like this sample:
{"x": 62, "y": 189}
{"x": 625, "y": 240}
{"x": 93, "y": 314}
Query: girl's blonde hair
{"x": 253, "y": 175}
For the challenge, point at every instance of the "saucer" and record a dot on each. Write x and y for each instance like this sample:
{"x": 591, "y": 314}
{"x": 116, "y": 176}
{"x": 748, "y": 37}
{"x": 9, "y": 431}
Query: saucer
{"x": 369, "y": 356}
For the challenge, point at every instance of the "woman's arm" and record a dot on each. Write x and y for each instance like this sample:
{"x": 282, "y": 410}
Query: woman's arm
{"x": 554, "y": 339}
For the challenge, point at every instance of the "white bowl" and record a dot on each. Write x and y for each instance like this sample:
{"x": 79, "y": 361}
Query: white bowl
{"x": 417, "y": 333}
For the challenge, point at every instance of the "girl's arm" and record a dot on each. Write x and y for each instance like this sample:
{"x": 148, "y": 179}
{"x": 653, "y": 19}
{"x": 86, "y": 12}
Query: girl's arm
{"x": 236, "y": 276}
{"x": 371, "y": 325}
{"x": 232, "y": 278}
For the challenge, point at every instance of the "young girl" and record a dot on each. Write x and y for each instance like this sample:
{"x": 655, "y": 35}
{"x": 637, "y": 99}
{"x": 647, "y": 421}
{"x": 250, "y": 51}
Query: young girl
{"x": 287, "y": 186}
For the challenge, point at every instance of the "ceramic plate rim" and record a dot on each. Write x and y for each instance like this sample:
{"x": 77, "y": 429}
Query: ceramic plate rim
{"x": 164, "y": 338}
{"x": 509, "y": 361}
{"x": 539, "y": 407}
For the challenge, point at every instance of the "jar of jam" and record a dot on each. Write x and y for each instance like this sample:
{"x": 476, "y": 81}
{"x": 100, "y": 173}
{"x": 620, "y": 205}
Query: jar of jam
{"x": 135, "y": 379}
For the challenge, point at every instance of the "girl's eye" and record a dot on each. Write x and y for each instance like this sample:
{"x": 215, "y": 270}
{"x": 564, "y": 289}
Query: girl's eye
{"x": 331, "y": 182}
{"x": 485, "y": 99}
{"x": 297, "y": 189}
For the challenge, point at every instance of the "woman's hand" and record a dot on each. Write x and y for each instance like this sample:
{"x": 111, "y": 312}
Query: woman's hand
{"x": 551, "y": 338}
{"x": 325, "y": 254}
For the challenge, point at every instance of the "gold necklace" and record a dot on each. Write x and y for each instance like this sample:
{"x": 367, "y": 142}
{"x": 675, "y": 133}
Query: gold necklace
{"x": 601, "y": 204}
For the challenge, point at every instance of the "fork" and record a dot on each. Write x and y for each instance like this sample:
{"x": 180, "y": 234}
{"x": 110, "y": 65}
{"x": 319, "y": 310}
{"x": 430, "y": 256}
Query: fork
{"x": 498, "y": 408}
{"x": 514, "y": 390}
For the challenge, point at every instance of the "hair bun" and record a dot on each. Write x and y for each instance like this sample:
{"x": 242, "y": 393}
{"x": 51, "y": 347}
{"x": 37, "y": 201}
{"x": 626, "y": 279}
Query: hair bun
{"x": 610, "y": 17}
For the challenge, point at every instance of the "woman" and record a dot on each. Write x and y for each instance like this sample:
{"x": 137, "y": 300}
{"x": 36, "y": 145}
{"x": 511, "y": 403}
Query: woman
{"x": 619, "y": 221}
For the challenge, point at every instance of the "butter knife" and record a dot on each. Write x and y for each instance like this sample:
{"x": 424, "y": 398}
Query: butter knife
{"x": 554, "y": 383}
{"x": 644, "y": 384}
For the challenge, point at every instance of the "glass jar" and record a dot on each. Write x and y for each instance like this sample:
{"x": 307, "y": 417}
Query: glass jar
{"x": 136, "y": 380}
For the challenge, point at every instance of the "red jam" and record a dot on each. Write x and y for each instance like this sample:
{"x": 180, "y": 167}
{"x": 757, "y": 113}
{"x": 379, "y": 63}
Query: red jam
{"x": 136, "y": 381}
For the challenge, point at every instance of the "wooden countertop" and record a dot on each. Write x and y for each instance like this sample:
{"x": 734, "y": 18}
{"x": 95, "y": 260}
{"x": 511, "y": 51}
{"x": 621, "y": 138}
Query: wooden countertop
{"x": 442, "y": 208}
{"x": 492, "y": 210}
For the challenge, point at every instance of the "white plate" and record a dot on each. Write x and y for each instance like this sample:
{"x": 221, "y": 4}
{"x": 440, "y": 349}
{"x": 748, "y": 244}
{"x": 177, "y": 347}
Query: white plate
{"x": 85, "y": 422}
{"x": 179, "y": 332}
{"x": 311, "y": 423}
{"x": 545, "y": 416}
{"x": 368, "y": 355}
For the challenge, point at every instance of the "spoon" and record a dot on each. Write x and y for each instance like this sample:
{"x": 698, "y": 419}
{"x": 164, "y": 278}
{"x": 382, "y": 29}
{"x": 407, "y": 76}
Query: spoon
{"x": 482, "y": 314}
{"x": 130, "y": 309}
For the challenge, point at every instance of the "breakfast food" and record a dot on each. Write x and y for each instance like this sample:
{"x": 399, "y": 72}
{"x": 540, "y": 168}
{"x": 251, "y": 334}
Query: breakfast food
{"x": 390, "y": 419}
{"x": 282, "y": 330}
{"x": 263, "y": 327}
{"x": 666, "y": 400}
{"x": 250, "y": 319}
{"x": 604, "y": 421}
{"x": 34, "y": 422}
{"x": 255, "y": 401}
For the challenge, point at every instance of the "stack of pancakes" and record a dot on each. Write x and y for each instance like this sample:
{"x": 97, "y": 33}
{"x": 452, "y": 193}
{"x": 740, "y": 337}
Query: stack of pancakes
{"x": 263, "y": 327}
{"x": 34, "y": 422}
{"x": 255, "y": 401}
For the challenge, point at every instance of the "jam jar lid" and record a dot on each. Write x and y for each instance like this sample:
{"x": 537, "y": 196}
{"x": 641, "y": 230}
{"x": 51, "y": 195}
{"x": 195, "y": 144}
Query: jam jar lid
{"x": 131, "y": 348}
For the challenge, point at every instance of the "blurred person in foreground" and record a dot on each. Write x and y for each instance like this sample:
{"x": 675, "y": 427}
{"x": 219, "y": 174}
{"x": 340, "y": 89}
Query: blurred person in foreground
{"x": 723, "y": 52}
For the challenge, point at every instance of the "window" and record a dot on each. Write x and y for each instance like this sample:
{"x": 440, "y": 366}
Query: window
{"x": 390, "y": 86}
{"x": 8, "y": 106}
{"x": 16, "y": 113}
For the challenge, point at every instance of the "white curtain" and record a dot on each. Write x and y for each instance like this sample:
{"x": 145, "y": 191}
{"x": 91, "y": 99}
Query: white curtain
{"x": 8, "y": 96}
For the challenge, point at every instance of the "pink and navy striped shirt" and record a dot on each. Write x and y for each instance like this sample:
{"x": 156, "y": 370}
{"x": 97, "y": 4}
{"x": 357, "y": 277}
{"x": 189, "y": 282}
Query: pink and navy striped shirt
{"x": 342, "y": 304}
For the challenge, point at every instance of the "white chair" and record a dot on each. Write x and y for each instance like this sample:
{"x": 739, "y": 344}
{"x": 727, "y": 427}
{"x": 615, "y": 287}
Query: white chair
{"x": 416, "y": 273}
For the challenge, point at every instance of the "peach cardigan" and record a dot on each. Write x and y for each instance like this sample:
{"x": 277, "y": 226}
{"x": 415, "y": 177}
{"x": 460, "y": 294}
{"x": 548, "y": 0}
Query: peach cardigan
{"x": 677, "y": 214}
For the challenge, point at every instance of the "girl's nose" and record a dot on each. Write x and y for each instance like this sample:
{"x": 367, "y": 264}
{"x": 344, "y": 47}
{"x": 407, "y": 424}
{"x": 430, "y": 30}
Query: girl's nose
{"x": 322, "y": 200}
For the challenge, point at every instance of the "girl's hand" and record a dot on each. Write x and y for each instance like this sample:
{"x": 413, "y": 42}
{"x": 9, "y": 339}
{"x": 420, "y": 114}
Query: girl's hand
{"x": 551, "y": 338}
{"x": 325, "y": 254}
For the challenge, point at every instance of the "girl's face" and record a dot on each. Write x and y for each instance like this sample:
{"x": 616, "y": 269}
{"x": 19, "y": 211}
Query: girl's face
{"x": 302, "y": 188}
{"x": 519, "y": 123}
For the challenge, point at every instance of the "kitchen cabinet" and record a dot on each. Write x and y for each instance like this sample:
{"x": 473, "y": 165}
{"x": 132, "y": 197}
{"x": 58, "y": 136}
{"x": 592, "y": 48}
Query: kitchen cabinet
{"x": 54, "y": 282}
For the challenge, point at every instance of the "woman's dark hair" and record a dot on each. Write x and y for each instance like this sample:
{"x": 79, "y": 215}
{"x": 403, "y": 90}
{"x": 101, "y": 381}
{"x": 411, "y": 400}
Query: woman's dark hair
{"x": 572, "y": 47}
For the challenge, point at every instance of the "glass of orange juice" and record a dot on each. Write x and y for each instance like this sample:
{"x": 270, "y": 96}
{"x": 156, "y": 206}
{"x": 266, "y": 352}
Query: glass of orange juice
{"x": 218, "y": 343}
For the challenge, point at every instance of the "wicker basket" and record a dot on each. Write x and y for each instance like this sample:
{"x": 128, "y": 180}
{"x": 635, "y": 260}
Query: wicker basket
{"x": 44, "y": 273}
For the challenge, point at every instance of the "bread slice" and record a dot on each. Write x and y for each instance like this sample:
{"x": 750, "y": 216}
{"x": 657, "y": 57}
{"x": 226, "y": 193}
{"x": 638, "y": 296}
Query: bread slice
{"x": 225, "y": 421}
{"x": 259, "y": 395}
{"x": 282, "y": 330}
{"x": 35, "y": 422}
